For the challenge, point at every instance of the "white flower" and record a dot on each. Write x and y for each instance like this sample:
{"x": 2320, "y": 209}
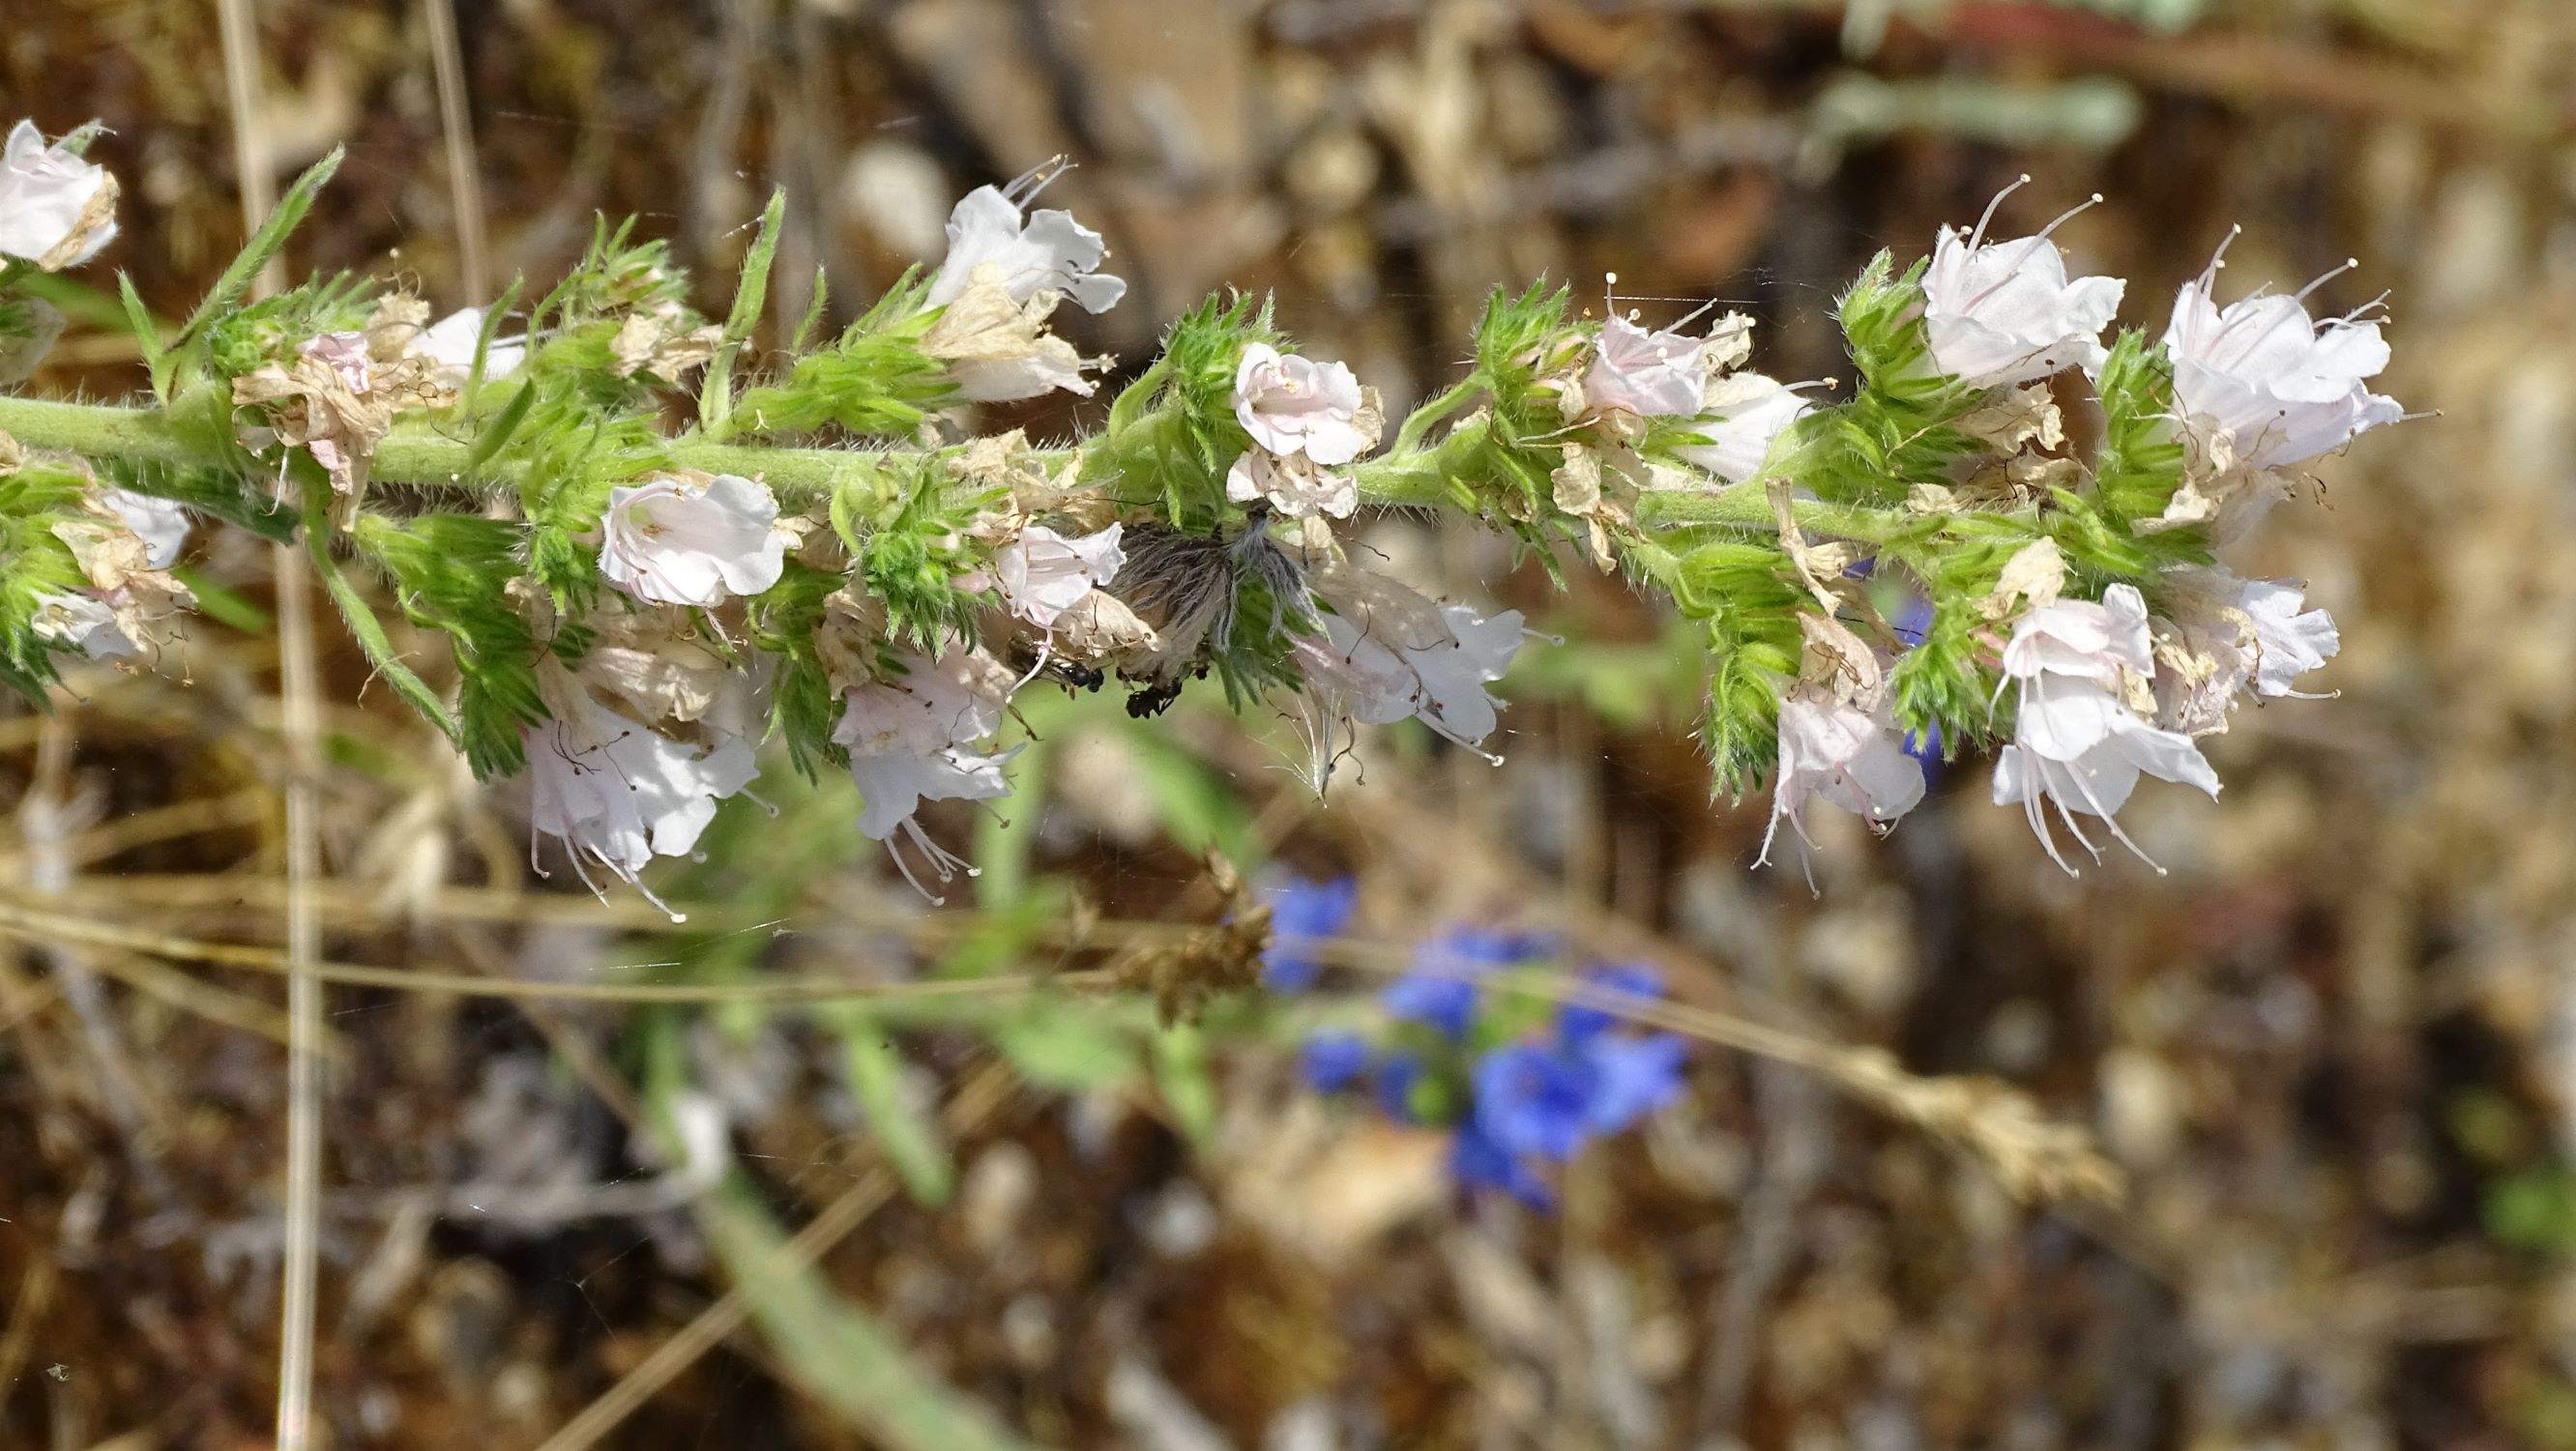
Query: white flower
{"x": 1454, "y": 674}
{"x": 676, "y": 542}
{"x": 619, "y": 794}
{"x": 56, "y": 210}
{"x": 1042, "y": 574}
{"x": 2083, "y": 639}
{"x": 1296, "y": 487}
{"x": 2006, "y": 312}
{"x": 892, "y": 787}
{"x": 1294, "y": 405}
{"x": 1650, "y": 374}
{"x": 1385, "y": 652}
{"x": 1746, "y": 413}
{"x": 80, "y": 622}
{"x": 2283, "y": 387}
{"x": 1845, "y": 756}
{"x": 907, "y": 738}
{"x": 2222, "y": 635}
{"x": 933, "y": 705}
{"x": 162, "y": 524}
{"x": 450, "y": 343}
{"x": 1048, "y": 252}
{"x": 2076, "y": 740}
{"x": 2287, "y": 642}
{"x": 999, "y": 349}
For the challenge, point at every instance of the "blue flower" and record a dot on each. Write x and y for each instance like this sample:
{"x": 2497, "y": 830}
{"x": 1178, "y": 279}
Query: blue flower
{"x": 1302, "y": 914}
{"x": 1914, "y": 621}
{"x": 1397, "y": 1072}
{"x": 1477, "y": 1161}
{"x": 1441, "y": 990}
{"x": 1534, "y": 1100}
{"x": 1630, "y": 1078}
{"x": 1330, "y": 1061}
{"x": 1575, "y": 1022}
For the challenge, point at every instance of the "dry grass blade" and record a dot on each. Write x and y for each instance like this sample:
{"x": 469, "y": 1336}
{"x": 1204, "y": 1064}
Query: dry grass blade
{"x": 303, "y": 843}
{"x": 456, "y": 128}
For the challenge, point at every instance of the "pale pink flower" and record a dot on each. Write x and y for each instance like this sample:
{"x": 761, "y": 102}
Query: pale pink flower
{"x": 1998, "y": 313}
{"x": 1385, "y": 652}
{"x": 345, "y": 354}
{"x": 2076, "y": 741}
{"x": 678, "y": 542}
{"x": 1041, "y": 574}
{"x": 1294, "y": 405}
{"x": 1650, "y": 374}
{"x": 908, "y": 738}
{"x": 1844, "y": 756}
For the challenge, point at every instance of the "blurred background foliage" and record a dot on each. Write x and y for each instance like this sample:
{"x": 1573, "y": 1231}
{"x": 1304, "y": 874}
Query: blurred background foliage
{"x": 2334, "y": 1049}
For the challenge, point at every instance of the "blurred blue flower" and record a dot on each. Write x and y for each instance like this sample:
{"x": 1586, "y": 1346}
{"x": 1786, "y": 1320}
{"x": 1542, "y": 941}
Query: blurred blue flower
{"x": 1477, "y": 1162}
{"x": 1914, "y": 620}
{"x": 1397, "y": 1072}
{"x": 1533, "y": 1099}
{"x": 1441, "y": 990}
{"x": 1630, "y": 1078}
{"x": 1330, "y": 1061}
{"x": 1575, "y": 1022}
{"x": 1302, "y": 914}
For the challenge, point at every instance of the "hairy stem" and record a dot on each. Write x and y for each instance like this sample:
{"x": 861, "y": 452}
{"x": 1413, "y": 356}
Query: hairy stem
{"x": 419, "y": 456}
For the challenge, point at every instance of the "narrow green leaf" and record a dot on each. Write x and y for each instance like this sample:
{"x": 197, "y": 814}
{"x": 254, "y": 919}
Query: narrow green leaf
{"x": 813, "y": 323}
{"x": 715, "y": 399}
{"x": 147, "y": 336}
{"x": 363, "y": 625}
{"x": 1189, "y": 1087}
{"x": 903, "y": 1133}
{"x": 493, "y": 316}
{"x": 263, "y": 245}
{"x": 222, "y": 603}
{"x": 496, "y": 434}
{"x": 837, "y": 1353}
{"x": 1067, "y": 1046}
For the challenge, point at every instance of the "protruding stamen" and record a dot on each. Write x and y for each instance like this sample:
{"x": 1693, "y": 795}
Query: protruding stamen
{"x": 2218, "y": 259}
{"x": 1977, "y": 238}
{"x": 2349, "y": 263}
{"x": 2069, "y": 215}
{"x": 1025, "y": 187}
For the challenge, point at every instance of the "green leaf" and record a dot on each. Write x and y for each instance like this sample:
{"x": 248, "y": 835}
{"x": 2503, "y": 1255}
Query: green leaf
{"x": 715, "y": 397}
{"x": 222, "y": 603}
{"x": 1197, "y": 807}
{"x": 263, "y": 245}
{"x": 907, "y": 1137}
{"x": 1067, "y": 1045}
{"x": 363, "y": 625}
{"x": 449, "y": 572}
{"x": 147, "y": 336}
{"x": 1188, "y": 1085}
{"x": 483, "y": 336}
{"x": 837, "y": 1353}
